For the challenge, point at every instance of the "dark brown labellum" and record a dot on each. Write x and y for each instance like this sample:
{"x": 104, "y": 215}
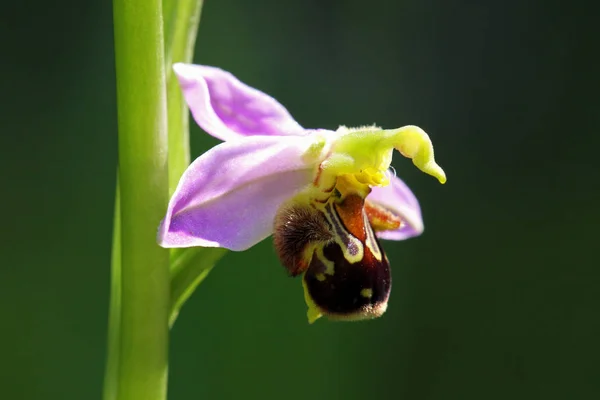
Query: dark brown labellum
{"x": 350, "y": 278}
{"x": 347, "y": 275}
{"x": 355, "y": 290}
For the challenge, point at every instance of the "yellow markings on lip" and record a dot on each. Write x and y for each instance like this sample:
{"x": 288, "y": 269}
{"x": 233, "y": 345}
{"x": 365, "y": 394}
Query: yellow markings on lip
{"x": 346, "y": 165}
{"x": 329, "y": 265}
{"x": 351, "y": 246}
{"x": 370, "y": 240}
{"x": 313, "y": 312}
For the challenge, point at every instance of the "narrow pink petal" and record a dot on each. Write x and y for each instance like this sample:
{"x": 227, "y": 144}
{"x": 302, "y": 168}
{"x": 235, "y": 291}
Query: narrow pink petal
{"x": 227, "y": 108}
{"x": 228, "y": 196}
{"x": 398, "y": 198}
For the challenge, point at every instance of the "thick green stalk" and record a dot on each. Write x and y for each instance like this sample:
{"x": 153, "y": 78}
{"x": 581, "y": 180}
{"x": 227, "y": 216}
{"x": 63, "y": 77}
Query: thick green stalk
{"x": 111, "y": 375}
{"x": 143, "y": 148}
{"x": 168, "y": 7}
{"x": 183, "y": 28}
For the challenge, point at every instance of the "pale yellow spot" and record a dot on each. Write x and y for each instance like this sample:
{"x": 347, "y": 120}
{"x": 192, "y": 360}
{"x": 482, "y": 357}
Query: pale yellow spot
{"x": 367, "y": 293}
{"x": 352, "y": 258}
{"x": 320, "y": 277}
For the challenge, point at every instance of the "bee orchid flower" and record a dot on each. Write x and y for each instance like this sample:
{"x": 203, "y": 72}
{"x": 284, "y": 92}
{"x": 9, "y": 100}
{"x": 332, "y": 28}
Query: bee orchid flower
{"x": 326, "y": 196}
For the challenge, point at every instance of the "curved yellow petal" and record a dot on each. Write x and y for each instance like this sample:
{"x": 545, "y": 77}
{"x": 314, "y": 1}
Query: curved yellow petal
{"x": 363, "y": 156}
{"x": 412, "y": 142}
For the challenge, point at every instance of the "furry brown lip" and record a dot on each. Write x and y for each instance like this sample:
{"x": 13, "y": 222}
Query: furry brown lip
{"x": 346, "y": 273}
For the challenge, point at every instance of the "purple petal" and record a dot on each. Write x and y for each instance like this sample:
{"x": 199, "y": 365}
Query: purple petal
{"x": 398, "y": 198}
{"x": 228, "y": 196}
{"x": 227, "y": 108}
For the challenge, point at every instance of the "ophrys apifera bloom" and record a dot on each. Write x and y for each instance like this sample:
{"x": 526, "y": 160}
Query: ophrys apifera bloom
{"x": 326, "y": 196}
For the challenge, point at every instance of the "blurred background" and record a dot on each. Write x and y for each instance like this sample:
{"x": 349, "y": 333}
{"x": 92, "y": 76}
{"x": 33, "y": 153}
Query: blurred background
{"x": 497, "y": 299}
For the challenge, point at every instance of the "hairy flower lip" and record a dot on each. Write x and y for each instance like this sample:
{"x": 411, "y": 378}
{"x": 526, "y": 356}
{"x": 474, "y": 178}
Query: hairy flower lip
{"x": 231, "y": 201}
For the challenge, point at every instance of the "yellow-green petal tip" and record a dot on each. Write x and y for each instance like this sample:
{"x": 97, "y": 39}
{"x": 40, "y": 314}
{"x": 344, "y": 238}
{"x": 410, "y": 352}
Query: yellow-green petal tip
{"x": 434, "y": 170}
{"x": 412, "y": 142}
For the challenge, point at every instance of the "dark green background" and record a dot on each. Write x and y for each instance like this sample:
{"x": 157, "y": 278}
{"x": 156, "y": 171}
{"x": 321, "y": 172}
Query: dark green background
{"x": 498, "y": 299}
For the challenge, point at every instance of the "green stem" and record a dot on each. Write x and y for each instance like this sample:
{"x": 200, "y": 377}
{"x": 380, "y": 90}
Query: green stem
{"x": 145, "y": 298}
{"x": 114, "y": 314}
{"x": 179, "y": 48}
{"x": 168, "y": 7}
